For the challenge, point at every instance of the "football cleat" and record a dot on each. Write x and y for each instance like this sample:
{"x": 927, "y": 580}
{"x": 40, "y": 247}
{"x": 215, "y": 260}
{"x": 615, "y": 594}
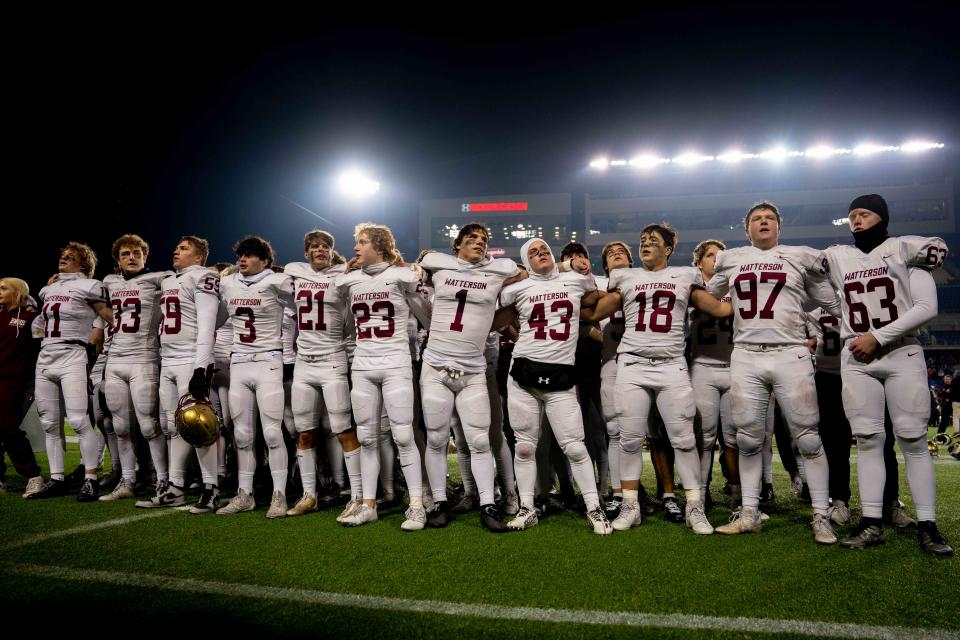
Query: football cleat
{"x": 34, "y": 485}
{"x": 416, "y": 519}
{"x": 822, "y": 531}
{"x": 278, "y": 506}
{"x": 243, "y": 501}
{"x": 387, "y": 500}
{"x": 209, "y": 501}
{"x": 511, "y": 504}
{"x": 741, "y": 521}
{"x": 439, "y": 516}
{"x": 613, "y": 508}
{"x": 767, "y": 495}
{"x": 428, "y": 502}
{"x": 51, "y": 489}
{"x": 76, "y": 477}
{"x": 839, "y": 513}
{"x": 526, "y": 518}
{"x": 112, "y": 479}
{"x": 629, "y": 516}
{"x": 122, "y": 491}
{"x": 361, "y": 515}
{"x": 868, "y": 536}
{"x": 899, "y": 517}
{"x": 647, "y": 507}
{"x": 491, "y": 520}
{"x": 931, "y": 540}
{"x": 672, "y": 510}
{"x": 697, "y": 519}
{"x": 89, "y": 490}
{"x": 598, "y": 520}
{"x": 171, "y": 497}
{"x": 468, "y": 502}
{"x": 306, "y": 504}
{"x": 348, "y": 510}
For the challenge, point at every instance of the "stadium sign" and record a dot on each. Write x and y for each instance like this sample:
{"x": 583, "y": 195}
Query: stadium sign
{"x": 474, "y": 207}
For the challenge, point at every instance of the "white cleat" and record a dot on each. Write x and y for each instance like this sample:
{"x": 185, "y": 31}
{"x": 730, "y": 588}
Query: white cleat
{"x": 629, "y": 516}
{"x": 839, "y": 513}
{"x": 416, "y": 519}
{"x": 526, "y": 518}
{"x": 123, "y": 490}
{"x": 349, "y": 509}
{"x": 243, "y": 501}
{"x": 741, "y": 521}
{"x": 598, "y": 520}
{"x": 361, "y": 515}
{"x": 33, "y": 486}
{"x": 822, "y": 531}
{"x": 697, "y": 519}
{"x": 278, "y": 506}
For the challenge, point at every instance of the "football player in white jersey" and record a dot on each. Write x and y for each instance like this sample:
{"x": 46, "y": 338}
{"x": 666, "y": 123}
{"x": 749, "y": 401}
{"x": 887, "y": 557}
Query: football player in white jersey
{"x": 70, "y": 305}
{"x": 189, "y": 306}
{"x": 454, "y": 372}
{"x": 547, "y": 304}
{"x": 321, "y": 389}
{"x": 711, "y": 344}
{"x": 651, "y": 367}
{"x": 256, "y": 298}
{"x": 886, "y": 294}
{"x": 131, "y": 375}
{"x": 769, "y": 285}
{"x": 381, "y": 294}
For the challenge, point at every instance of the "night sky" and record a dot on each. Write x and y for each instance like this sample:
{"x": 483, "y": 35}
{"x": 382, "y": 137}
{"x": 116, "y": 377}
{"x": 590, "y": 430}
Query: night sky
{"x": 172, "y": 124}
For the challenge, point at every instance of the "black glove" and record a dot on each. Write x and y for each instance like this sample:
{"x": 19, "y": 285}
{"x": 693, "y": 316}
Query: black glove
{"x": 199, "y": 384}
{"x": 288, "y": 372}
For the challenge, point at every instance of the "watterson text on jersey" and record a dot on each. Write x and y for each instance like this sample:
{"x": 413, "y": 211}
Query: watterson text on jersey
{"x": 866, "y": 273}
{"x": 762, "y": 266}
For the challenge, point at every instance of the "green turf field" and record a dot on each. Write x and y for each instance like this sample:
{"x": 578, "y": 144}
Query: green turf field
{"x": 87, "y": 567}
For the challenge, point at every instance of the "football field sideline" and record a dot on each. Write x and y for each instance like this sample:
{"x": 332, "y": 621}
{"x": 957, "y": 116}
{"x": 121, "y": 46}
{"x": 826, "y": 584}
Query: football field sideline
{"x": 485, "y": 611}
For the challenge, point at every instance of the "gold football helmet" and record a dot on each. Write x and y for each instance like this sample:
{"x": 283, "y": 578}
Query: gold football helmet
{"x": 196, "y": 421}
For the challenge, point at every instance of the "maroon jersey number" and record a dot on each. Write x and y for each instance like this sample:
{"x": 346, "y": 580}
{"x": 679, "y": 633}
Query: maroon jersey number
{"x": 251, "y": 335}
{"x": 859, "y": 317}
{"x": 661, "y": 316}
{"x": 362, "y": 312}
{"x": 749, "y": 294}
{"x": 306, "y": 299}
{"x": 170, "y": 315}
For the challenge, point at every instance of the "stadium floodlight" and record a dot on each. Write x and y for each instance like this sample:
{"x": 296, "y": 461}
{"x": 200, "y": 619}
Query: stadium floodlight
{"x": 824, "y": 151}
{"x": 618, "y": 163}
{"x": 915, "y": 146}
{"x": 356, "y": 184}
{"x": 647, "y": 161}
{"x": 599, "y": 164}
{"x": 734, "y": 156}
{"x": 777, "y": 154}
{"x": 691, "y": 158}
{"x": 868, "y": 149}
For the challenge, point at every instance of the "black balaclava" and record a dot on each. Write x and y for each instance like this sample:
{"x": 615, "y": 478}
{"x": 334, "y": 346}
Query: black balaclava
{"x": 869, "y": 239}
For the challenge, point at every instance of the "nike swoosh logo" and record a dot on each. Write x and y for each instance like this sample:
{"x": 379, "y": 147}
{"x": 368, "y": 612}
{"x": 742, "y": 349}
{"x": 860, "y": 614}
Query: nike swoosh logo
{"x": 672, "y": 277}
{"x": 910, "y": 355}
{"x": 801, "y": 356}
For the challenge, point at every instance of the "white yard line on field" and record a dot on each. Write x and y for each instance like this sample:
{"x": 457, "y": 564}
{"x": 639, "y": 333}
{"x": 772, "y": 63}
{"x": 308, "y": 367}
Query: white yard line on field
{"x": 488, "y": 611}
{"x": 86, "y": 528}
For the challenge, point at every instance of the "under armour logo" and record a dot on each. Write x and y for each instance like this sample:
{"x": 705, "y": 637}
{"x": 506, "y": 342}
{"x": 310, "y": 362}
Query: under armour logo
{"x": 543, "y": 380}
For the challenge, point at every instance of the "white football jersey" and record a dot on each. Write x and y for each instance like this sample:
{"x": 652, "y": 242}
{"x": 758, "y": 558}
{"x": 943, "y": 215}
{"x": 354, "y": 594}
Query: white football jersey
{"x": 549, "y": 312}
{"x": 768, "y": 289}
{"x": 711, "y": 339}
{"x": 178, "y": 311}
{"x": 611, "y": 327}
{"x": 223, "y": 342}
{"x": 66, "y": 314}
{"x": 136, "y": 316}
{"x": 256, "y": 311}
{"x": 464, "y": 301}
{"x": 320, "y": 309}
{"x": 875, "y": 287}
{"x": 655, "y": 309}
{"x": 826, "y": 329}
{"x": 378, "y": 304}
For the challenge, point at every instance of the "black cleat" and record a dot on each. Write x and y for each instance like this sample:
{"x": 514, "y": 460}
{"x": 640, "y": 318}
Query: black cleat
{"x": 647, "y": 507}
{"x": 439, "y": 516}
{"x": 490, "y": 519}
{"x": 613, "y": 508}
{"x": 672, "y": 510}
{"x": 89, "y": 491}
{"x": 209, "y": 501}
{"x": 51, "y": 489}
{"x": 767, "y": 496}
{"x": 931, "y": 541}
{"x": 865, "y": 536}
{"x": 76, "y": 477}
